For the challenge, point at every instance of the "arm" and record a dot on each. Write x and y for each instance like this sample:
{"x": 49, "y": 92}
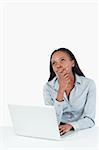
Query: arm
{"x": 88, "y": 116}
{"x": 50, "y": 99}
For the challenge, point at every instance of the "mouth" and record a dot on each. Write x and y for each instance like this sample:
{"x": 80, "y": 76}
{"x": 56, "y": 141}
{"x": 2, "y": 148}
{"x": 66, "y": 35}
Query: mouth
{"x": 60, "y": 70}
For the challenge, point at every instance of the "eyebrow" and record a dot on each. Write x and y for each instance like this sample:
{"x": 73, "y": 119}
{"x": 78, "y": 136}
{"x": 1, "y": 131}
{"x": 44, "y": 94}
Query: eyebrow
{"x": 62, "y": 57}
{"x": 59, "y": 58}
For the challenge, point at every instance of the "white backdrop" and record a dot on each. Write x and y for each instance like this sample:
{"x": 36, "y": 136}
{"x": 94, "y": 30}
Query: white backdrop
{"x": 31, "y": 33}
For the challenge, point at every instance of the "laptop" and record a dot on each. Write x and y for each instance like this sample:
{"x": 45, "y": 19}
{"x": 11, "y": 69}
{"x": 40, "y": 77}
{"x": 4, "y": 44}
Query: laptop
{"x": 35, "y": 121}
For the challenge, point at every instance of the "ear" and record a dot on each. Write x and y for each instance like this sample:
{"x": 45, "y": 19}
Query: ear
{"x": 73, "y": 63}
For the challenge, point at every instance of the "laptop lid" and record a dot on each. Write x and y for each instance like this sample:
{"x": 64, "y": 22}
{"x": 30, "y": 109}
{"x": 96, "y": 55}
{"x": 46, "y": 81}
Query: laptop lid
{"x": 35, "y": 121}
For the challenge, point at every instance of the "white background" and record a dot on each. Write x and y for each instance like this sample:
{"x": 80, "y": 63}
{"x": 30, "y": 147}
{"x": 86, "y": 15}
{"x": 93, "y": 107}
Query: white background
{"x": 29, "y": 34}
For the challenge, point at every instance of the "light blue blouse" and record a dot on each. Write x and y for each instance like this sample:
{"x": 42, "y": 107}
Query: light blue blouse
{"x": 79, "y": 110}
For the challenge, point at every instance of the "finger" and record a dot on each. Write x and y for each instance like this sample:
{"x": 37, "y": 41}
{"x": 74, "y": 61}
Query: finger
{"x": 63, "y": 128}
{"x": 67, "y": 69}
{"x": 64, "y": 74}
{"x": 62, "y": 71}
{"x": 60, "y": 130}
{"x": 63, "y": 132}
{"x": 67, "y": 78}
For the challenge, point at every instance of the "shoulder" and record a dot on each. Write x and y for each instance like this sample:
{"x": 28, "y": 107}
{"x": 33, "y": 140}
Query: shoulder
{"x": 50, "y": 84}
{"x": 87, "y": 81}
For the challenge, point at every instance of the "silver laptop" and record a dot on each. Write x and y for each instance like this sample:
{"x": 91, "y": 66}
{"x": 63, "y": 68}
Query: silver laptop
{"x": 35, "y": 121}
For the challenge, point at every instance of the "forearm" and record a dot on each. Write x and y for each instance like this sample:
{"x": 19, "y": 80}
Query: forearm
{"x": 60, "y": 95}
{"x": 59, "y": 106}
{"x": 82, "y": 123}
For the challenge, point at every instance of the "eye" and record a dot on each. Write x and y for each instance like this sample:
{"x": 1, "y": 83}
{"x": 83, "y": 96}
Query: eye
{"x": 62, "y": 59}
{"x": 53, "y": 63}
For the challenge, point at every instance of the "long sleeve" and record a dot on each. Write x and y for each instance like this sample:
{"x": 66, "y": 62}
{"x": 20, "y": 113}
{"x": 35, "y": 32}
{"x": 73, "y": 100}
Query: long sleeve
{"x": 50, "y": 99}
{"x": 88, "y": 116}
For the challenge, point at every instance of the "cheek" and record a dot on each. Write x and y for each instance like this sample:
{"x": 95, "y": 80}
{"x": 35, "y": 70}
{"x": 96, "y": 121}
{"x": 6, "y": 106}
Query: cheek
{"x": 54, "y": 69}
{"x": 68, "y": 68}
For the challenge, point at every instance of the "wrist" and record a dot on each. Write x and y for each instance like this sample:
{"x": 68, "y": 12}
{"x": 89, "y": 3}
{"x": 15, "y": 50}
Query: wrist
{"x": 60, "y": 95}
{"x": 59, "y": 100}
{"x": 72, "y": 129}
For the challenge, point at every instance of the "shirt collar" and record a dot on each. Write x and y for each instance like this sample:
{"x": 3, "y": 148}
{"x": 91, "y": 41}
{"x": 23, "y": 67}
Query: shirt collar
{"x": 77, "y": 79}
{"x": 55, "y": 85}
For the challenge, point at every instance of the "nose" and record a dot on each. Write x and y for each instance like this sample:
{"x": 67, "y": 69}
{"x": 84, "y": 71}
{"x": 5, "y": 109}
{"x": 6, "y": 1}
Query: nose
{"x": 58, "y": 66}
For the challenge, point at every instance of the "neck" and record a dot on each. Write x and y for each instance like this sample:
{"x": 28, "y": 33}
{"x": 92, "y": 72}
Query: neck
{"x": 72, "y": 76}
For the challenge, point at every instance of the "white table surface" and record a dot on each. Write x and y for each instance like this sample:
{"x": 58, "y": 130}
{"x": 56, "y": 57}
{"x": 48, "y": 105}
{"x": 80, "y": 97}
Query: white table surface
{"x": 81, "y": 140}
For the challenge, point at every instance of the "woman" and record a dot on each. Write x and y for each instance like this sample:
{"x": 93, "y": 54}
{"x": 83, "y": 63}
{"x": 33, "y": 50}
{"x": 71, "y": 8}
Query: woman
{"x": 71, "y": 93}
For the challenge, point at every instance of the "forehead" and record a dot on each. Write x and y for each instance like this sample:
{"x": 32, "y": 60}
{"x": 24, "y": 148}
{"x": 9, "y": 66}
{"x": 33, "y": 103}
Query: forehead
{"x": 59, "y": 54}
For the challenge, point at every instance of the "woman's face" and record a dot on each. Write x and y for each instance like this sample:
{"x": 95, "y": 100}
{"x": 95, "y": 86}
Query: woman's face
{"x": 61, "y": 61}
